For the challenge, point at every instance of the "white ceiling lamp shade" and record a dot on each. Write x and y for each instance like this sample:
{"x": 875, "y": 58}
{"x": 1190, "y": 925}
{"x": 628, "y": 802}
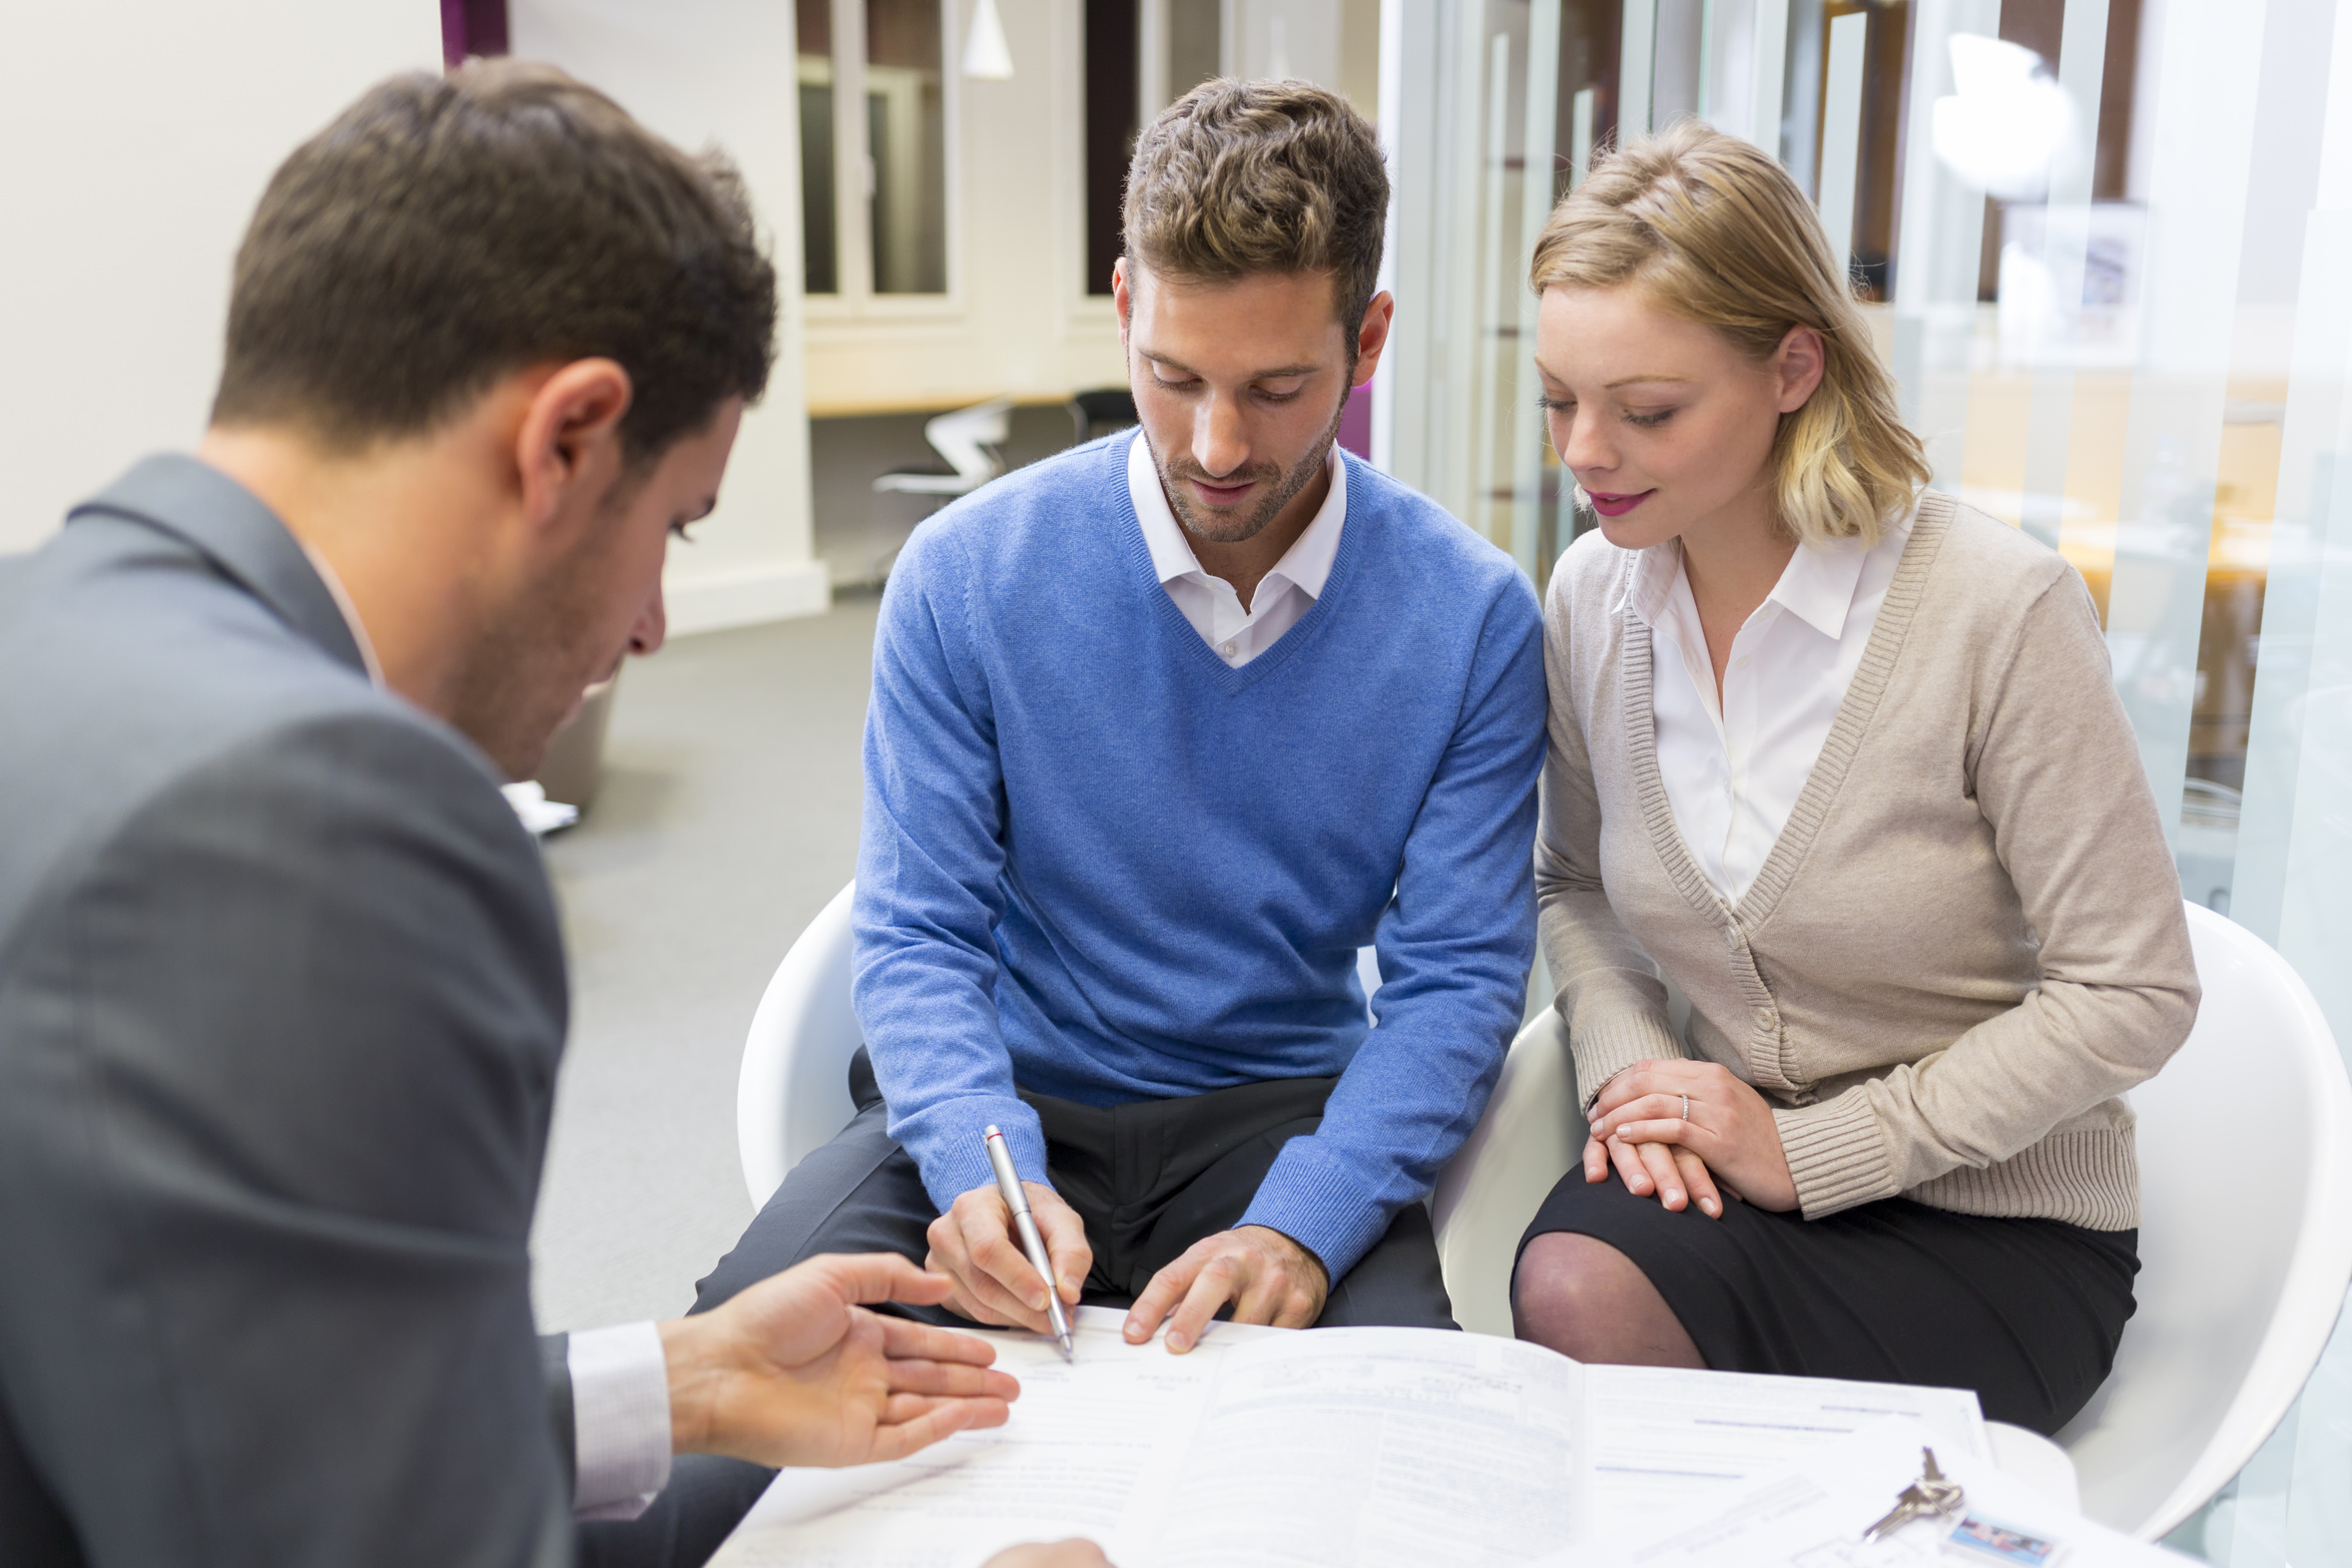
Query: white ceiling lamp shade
{"x": 2008, "y": 123}
{"x": 986, "y": 55}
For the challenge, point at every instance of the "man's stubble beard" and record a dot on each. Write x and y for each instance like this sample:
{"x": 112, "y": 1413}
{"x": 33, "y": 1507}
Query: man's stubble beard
{"x": 525, "y": 671}
{"x": 1301, "y": 475}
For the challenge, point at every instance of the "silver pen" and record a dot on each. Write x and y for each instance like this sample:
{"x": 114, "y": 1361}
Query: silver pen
{"x": 1009, "y": 1184}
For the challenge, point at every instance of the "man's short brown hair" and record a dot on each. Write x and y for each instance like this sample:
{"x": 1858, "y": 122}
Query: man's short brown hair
{"x": 1261, "y": 177}
{"x": 446, "y": 232}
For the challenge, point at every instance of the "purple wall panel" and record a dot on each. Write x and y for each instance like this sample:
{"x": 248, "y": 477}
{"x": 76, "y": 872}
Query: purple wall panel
{"x": 471, "y": 27}
{"x": 1356, "y": 422}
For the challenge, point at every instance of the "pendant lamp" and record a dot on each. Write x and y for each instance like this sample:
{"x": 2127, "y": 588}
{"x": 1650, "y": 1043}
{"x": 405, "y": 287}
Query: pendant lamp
{"x": 985, "y": 53}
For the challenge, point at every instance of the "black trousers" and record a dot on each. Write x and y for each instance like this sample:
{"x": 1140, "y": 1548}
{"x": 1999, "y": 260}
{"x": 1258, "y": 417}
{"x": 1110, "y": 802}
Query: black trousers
{"x": 1148, "y": 1178}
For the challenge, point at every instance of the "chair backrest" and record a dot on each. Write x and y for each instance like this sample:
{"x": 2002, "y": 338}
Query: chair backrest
{"x": 962, "y": 437}
{"x": 2243, "y": 1260}
{"x": 1102, "y": 409}
{"x": 791, "y": 1093}
{"x": 1489, "y": 1192}
{"x": 2242, "y": 1270}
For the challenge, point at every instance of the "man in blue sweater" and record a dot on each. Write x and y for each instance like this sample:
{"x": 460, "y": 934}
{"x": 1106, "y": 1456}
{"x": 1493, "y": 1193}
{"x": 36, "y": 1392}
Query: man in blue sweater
{"x": 1163, "y": 731}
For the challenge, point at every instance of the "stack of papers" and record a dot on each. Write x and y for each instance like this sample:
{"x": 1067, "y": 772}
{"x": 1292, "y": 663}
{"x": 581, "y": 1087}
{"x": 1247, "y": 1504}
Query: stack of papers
{"x": 1339, "y": 1446}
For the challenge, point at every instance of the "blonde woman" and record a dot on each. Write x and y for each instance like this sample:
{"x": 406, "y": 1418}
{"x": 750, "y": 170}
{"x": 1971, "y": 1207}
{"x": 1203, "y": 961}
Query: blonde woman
{"x": 1844, "y": 761}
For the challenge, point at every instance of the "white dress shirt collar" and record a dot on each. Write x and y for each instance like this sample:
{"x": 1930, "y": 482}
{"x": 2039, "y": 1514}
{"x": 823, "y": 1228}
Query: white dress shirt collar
{"x": 1209, "y": 603}
{"x": 1817, "y": 586}
{"x": 1306, "y": 565}
{"x": 343, "y": 602}
{"x": 1734, "y": 758}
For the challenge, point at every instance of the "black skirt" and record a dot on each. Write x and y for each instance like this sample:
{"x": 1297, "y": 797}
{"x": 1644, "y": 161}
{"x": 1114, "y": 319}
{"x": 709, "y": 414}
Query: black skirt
{"x": 2027, "y": 1313}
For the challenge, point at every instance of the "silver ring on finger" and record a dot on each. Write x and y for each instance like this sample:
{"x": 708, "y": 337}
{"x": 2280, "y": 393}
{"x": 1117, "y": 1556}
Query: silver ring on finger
{"x": 1686, "y": 1108}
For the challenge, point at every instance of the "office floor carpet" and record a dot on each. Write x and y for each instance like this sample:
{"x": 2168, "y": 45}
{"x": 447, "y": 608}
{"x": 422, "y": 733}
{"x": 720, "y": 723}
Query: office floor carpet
{"x": 726, "y": 818}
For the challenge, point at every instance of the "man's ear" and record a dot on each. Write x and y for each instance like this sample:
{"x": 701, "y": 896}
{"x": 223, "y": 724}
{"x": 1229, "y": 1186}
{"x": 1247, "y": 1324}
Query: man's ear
{"x": 1121, "y": 300}
{"x": 1371, "y": 338}
{"x": 568, "y": 446}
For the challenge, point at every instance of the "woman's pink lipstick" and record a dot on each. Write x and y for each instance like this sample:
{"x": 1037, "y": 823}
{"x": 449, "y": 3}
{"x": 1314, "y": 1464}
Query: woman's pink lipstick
{"x": 1617, "y": 505}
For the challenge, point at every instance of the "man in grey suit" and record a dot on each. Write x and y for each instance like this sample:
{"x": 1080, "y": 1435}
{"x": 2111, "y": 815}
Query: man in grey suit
{"x": 281, "y": 990}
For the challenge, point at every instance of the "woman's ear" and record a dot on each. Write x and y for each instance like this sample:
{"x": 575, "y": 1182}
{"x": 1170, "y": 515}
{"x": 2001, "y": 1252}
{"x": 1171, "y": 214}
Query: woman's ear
{"x": 1797, "y": 363}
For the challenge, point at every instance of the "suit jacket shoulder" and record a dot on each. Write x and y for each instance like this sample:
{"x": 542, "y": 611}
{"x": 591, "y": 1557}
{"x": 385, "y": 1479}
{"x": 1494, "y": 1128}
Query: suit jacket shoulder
{"x": 281, "y": 999}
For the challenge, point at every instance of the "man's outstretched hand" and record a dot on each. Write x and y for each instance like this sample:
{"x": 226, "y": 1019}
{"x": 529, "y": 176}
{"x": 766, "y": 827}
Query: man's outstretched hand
{"x": 1268, "y": 1277}
{"x": 795, "y": 1371}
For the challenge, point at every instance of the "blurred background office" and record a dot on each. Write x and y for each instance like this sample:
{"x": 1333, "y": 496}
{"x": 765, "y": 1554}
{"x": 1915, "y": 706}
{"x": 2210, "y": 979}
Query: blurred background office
{"x": 2106, "y": 245}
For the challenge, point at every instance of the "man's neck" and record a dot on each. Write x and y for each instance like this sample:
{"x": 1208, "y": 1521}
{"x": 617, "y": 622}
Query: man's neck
{"x": 1244, "y": 563}
{"x": 376, "y": 522}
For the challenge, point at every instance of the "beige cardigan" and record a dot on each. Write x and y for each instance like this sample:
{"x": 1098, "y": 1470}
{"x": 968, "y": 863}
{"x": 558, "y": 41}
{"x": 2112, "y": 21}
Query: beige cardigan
{"x": 1966, "y": 944}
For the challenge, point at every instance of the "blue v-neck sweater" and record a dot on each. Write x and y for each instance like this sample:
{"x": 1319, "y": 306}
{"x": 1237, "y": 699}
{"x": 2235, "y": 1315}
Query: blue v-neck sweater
{"x": 1102, "y": 864}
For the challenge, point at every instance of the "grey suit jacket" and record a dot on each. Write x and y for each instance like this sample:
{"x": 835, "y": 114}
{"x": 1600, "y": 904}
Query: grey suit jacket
{"x": 282, "y": 996}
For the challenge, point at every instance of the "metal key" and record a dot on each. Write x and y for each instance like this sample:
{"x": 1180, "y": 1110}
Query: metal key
{"x": 1930, "y": 1498}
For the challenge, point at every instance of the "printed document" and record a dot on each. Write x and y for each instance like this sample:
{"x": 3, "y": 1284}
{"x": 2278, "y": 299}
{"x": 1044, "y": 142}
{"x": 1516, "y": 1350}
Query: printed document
{"x": 1815, "y": 1514}
{"x": 1274, "y": 1448}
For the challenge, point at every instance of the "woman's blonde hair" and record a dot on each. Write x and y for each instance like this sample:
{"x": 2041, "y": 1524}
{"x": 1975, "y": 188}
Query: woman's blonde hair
{"x": 1716, "y": 232}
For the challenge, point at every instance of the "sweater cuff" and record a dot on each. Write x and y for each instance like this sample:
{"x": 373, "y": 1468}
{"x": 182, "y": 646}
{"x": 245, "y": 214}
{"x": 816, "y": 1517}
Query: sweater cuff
{"x": 1315, "y": 1199}
{"x": 1606, "y": 1047}
{"x": 953, "y": 1157}
{"x": 1837, "y": 1154}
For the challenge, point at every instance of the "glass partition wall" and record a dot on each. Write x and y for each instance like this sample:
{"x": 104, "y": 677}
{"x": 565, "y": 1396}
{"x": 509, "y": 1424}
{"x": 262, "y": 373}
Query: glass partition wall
{"x": 2106, "y": 246}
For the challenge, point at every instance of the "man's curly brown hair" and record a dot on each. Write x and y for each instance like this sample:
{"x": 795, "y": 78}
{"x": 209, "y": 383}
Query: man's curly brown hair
{"x": 1240, "y": 178}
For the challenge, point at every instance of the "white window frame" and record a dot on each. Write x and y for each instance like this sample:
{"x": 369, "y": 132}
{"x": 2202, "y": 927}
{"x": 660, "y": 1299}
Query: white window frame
{"x": 856, "y": 302}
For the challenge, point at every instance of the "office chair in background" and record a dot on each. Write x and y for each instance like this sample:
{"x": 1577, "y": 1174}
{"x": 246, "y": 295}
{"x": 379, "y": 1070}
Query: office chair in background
{"x": 1100, "y": 410}
{"x": 970, "y": 439}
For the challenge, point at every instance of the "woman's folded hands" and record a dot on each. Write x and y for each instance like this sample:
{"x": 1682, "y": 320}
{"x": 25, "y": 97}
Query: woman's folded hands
{"x": 1688, "y": 1132}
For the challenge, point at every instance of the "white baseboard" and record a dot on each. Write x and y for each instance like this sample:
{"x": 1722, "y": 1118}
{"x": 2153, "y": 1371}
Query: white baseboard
{"x": 747, "y": 597}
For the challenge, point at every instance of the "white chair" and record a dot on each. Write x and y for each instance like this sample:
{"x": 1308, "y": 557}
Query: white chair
{"x": 2242, "y": 1269}
{"x": 963, "y": 437}
{"x": 791, "y": 1093}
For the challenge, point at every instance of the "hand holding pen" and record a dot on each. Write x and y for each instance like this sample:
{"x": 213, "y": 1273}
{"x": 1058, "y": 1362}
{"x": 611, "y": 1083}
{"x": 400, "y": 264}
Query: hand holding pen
{"x": 1032, "y": 1245}
{"x": 978, "y": 1243}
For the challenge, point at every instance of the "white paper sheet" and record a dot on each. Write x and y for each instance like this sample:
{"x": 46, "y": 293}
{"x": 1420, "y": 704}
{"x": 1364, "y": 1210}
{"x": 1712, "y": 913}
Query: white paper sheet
{"x": 1374, "y": 1447}
{"x": 1338, "y": 1449}
{"x": 1811, "y": 1514}
{"x": 1089, "y": 1451}
{"x": 1659, "y": 1445}
{"x": 1258, "y": 1450}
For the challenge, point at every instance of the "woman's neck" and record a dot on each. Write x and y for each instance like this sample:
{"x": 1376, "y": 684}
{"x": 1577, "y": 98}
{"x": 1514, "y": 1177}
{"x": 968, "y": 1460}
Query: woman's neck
{"x": 1732, "y": 561}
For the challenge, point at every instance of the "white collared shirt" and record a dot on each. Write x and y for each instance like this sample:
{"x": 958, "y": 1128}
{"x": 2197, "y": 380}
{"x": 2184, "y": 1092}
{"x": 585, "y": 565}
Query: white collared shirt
{"x": 620, "y": 1375}
{"x": 351, "y": 612}
{"x": 1733, "y": 769}
{"x": 1286, "y": 593}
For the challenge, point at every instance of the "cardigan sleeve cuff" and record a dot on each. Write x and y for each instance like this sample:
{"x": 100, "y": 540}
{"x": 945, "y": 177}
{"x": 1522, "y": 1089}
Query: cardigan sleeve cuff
{"x": 1837, "y": 1154}
{"x": 1607, "y": 1047}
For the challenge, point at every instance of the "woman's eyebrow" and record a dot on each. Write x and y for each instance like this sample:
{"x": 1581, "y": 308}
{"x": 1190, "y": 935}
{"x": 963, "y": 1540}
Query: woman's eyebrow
{"x": 1628, "y": 380}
